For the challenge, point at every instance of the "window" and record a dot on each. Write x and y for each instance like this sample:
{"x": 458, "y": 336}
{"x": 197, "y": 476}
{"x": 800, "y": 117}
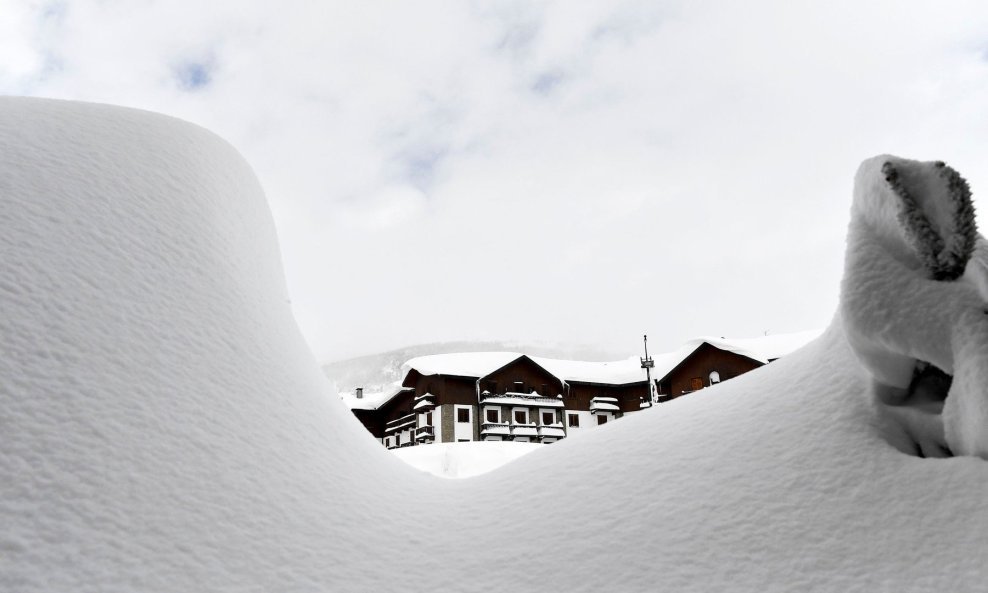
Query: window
{"x": 696, "y": 383}
{"x": 714, "y": 377}
{"x": 521, "y": 416}
{"x": 545, "y": 390}
{"x": 493, "y": 415}
{"x": 548, "y": 418}
{"x": 462, "y": 440}
{"x": 519, "y": 387}
{"x": 428, "y": 419}
{"x": 574, "y": 420}
{"x": 601, "y": 420}
{"x": 463, "y": 414}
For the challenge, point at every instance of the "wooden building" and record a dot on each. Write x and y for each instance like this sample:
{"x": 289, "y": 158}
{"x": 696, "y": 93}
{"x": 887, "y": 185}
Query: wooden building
{"x": 495, "y": 396}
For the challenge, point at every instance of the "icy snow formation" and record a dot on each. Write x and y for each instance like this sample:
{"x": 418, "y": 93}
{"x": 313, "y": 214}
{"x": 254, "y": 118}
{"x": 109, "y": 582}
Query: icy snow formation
{"x": 164, "y": 427}
{"x": 913, "y": 296}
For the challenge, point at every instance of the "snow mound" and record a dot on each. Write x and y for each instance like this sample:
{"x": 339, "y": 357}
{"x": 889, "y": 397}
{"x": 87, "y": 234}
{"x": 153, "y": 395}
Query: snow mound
{"x": 915, "y": 304}
{"x": 166, "y": 429}
{"x": 464, "y": 460}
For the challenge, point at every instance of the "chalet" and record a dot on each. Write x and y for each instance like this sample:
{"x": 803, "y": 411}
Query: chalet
{"x": 495, "y": 396}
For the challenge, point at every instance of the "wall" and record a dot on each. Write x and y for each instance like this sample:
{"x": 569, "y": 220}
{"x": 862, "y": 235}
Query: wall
{"x": 528, "y": 372}
{"x": 700, "y": 363}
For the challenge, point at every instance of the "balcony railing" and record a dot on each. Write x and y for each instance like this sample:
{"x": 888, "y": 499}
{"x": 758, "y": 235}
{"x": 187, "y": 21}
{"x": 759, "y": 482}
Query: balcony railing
{"x": 495, "y": 428}
{"x": 604, "y": 404}
{"x": 425, "y": 432}
{"x": 520, "y": 399}
{"x": 556, "y": 432}
{"x": 400, "y": 424}
{"x": 524, "y": 430}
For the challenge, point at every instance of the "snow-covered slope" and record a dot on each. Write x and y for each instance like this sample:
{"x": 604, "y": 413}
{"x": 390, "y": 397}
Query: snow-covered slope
{"x": 464, "y": 460}
{"x": 164, "y": 427}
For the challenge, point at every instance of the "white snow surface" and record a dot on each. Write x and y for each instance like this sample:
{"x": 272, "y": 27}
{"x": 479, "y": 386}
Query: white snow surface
{"x": 165, "y": 428}
{"x": 464, "y": 460}
{"x": 371, "y": 400}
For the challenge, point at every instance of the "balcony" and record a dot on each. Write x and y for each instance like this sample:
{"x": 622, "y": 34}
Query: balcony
{"x": 423, "y": 433}
{"x": 524, "y": 430}
{"x": 495, "y": 428}
{"x": 554, "y": 432}
{"x": 604, "y": 404}
{"x": 520, "y": 399}
{"x": 400, "y": 424}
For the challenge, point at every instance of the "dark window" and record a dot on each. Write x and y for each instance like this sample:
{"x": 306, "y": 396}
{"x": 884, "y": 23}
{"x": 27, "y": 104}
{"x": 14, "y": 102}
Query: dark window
{"x": 428, "y": 418}
{"x": 463, "y": 415}
{"x": 493, "y": 416}
{"x": 521, "y": 417}
{"x": 574, "y": 420}
{"x": 462, "y": 440}
{"x": 696, "y": 383}
{"x": 519, "y": 387}
{"x": 601, "y": 420}
{"x": 545, "y": 390}
{"x": 548, "y": 418}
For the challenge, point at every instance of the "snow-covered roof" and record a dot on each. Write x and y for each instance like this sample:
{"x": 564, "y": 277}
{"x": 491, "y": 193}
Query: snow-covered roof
{"x": 461, "y": 364}
{"x": 374, "y": 400}
{"x": 480, "y": 364}
{"x": 616, "y": 372}
{"x": 619, "y": 372}
{"x": 763, "y": 348}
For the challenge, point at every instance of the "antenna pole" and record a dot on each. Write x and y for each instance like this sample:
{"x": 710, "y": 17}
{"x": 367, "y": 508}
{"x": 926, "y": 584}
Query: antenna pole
{"x": 647, "y": 364}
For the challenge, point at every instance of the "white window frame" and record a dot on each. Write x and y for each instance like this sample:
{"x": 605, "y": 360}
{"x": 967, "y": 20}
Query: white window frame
{"x": 493, "y": 409}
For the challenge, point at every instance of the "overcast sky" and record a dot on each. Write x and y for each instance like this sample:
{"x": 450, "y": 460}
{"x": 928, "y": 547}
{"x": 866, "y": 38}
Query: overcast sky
{"x": 562, "y": 172}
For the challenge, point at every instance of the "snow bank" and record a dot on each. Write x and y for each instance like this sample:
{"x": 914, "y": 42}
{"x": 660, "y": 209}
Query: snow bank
{"x": 464, "y": 460}
{"x": 165, "y": 428}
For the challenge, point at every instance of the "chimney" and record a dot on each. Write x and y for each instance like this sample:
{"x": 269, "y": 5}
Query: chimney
{"x": 360, "y": 393}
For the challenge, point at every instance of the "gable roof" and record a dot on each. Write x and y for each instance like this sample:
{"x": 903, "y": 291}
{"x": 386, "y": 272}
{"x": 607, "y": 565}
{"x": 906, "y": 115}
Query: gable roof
{"x": 763, "y": 349}
{"x": 461, "y": 364}
{"x": 481, "y": 364}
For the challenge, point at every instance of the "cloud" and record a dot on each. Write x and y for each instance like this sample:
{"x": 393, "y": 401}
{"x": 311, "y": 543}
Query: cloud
{"x": 562, "y": 171}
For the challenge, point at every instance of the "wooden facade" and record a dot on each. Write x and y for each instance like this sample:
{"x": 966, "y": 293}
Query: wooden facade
{"x": 704, "y": 367}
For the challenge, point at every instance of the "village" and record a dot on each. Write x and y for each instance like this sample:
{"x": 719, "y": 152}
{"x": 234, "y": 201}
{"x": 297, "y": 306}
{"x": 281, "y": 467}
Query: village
{"x": 509, "y": 396}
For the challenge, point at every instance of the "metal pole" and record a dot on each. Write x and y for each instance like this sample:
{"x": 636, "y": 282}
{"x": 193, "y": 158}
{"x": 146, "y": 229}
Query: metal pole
{"x": 647, "y": 364}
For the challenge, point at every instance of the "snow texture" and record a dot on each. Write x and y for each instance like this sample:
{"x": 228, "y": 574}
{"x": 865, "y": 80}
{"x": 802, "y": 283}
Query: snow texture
{"x": 464, "y": 460}
{"x": 166, "y": 429}
{"x": 911, "y": 298}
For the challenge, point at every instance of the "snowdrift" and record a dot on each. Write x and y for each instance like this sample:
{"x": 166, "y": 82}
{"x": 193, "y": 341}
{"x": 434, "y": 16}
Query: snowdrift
{"x": 164, "y": 427}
